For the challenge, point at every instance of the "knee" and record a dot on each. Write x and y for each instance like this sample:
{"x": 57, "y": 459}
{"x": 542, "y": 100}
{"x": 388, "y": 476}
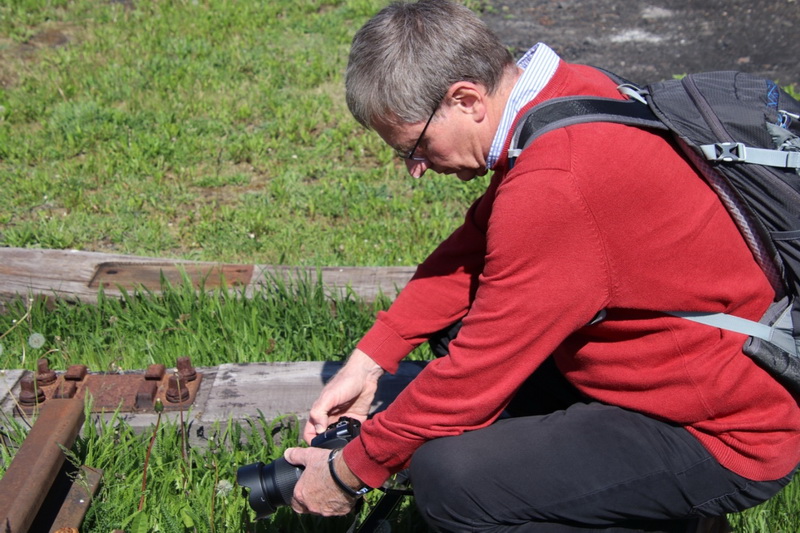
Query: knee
{"x": 440, "y": 464}
{"x": 439, "y": 475}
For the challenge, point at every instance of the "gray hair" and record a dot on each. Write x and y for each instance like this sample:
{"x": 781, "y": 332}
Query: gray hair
{"x": 404, "y": 59}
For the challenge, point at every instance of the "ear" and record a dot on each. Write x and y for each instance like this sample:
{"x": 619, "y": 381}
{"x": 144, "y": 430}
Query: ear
{"x": 469, "y": 98}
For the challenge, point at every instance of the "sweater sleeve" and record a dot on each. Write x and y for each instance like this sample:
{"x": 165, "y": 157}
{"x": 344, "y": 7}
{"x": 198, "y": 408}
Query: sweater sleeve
{"x": 543, "y": 256}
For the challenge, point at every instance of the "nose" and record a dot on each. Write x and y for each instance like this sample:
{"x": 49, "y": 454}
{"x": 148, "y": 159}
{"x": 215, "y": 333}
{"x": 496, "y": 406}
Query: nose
{"x": 417, "y": 167}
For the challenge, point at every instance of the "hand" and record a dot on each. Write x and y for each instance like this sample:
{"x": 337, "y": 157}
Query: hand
{"x": 349, "y": 393}
{"x": 315, "y": 491}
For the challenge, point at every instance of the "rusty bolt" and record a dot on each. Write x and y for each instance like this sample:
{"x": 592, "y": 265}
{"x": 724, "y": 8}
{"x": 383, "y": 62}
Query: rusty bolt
{"x": 29, "y": 393}
{"x": 44, "y": 376}
{"x": 185, "y": 369}
{"x": 176, "y": 390}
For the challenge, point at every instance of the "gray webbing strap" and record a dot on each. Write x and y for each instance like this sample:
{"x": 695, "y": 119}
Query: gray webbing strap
{"x": 751, "y": 328}
{"x": 739, "y": 153}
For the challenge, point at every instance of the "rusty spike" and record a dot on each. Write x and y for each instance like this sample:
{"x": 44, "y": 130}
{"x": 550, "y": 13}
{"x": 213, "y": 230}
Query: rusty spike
{"x": 176, "y": 390}
{"x": 185, "y": 369}
{"x": 29, "y": 393}
{"x": 44, "y": 376}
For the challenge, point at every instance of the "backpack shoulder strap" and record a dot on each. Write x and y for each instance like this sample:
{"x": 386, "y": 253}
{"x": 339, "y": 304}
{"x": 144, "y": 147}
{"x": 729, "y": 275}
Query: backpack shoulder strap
{"x": 569, "y": 110}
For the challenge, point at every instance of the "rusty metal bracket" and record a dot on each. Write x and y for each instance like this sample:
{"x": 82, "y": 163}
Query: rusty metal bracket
{"x": 131, "y": 392}
{"x": 30, "y": 497}
{"x": 132, "y": 275}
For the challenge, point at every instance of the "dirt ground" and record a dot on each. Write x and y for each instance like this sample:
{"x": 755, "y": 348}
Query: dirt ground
{"x": 656, "y": 39}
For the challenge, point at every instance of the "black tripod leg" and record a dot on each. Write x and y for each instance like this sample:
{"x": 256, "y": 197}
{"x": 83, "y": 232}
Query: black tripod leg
{"x": 380, "y": 513}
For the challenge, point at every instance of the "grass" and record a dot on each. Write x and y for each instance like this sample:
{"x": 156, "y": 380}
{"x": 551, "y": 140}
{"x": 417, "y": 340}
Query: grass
{"x": 209, "y": 130}
{"x": 226, "y": 140}
{"x": 279, "y": 323}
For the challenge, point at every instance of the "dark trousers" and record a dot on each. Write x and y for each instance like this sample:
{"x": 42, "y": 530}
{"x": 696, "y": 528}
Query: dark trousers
{"x": 560, "y": 463}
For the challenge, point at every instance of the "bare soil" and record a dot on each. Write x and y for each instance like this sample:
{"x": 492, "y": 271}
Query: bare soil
{"x": 657, "y": 39}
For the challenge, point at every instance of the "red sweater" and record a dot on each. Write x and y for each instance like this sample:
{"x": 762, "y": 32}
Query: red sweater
{"x": 594, "y": 216}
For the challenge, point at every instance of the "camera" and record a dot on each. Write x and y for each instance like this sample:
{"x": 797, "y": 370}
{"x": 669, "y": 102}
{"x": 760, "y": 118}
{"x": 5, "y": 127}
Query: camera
{"x": 271, "y": 485}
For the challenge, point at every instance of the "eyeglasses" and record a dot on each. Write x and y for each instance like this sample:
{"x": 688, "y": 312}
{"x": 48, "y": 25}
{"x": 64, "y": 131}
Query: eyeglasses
{"x": 409, "y": 155}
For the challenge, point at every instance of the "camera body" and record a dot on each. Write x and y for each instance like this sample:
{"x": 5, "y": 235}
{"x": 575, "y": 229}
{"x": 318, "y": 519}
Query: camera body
{"x": 271, "y": 485}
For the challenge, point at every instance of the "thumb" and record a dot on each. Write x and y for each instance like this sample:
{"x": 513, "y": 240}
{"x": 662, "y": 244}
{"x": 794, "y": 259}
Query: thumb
{"x": 295, "y": 456}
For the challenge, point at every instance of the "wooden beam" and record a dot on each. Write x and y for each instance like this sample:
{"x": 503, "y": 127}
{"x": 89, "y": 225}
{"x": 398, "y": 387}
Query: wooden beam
{"x": 78, "y": 275}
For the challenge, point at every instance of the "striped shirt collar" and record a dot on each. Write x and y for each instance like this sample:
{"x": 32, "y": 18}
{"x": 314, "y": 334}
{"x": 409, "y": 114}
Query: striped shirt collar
{"x": 538, "y": 64}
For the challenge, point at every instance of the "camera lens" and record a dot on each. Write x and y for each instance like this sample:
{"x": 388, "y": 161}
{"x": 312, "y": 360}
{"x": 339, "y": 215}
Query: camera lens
{"x": 271, "y": 485}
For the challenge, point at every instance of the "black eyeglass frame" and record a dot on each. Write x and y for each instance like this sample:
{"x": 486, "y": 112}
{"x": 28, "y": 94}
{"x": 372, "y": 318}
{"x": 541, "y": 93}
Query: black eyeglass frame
{"x": 409, "y": 155}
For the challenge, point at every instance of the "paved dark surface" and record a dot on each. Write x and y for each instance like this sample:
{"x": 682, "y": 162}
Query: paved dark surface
{"x": 654, "y": 40}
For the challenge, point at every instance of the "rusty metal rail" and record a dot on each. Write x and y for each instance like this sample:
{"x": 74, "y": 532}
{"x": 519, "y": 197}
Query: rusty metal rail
{"x": 41, "y": 491}
{"x": 38, "y": 492}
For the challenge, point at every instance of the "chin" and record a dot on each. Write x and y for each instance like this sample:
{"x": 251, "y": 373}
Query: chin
{"x": 466, "y": 175}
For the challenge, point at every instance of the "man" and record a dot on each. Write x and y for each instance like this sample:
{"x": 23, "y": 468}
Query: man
{"x": 559, "y": 276}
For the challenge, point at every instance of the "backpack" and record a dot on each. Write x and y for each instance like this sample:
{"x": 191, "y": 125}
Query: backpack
{"x": 742, "y": 133}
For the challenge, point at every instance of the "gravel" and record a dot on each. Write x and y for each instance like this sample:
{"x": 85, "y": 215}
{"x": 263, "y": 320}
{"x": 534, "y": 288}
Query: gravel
{"x": 655, "y": 40}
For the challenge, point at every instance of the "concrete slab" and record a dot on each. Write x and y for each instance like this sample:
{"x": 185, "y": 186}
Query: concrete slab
{"x": 9, "y": 388}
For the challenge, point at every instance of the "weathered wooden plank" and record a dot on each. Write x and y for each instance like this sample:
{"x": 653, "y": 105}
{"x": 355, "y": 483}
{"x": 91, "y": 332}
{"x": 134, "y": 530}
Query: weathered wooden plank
{"x": 78, "y": 275}
{"x": 247, "y": 390}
